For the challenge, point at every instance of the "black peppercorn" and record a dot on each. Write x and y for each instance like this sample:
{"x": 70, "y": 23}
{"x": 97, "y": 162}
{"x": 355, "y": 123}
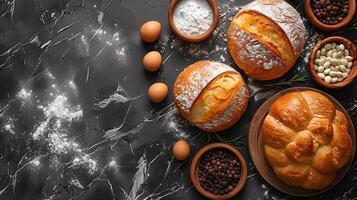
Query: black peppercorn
{"x": 223, "y": 173}
{"x": 330, "y": 12}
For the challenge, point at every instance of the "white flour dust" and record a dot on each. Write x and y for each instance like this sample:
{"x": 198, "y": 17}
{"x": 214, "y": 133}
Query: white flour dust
{"x": 193, "y": 17}
{"x": 60, "y": 110}
{"x": 24, "y": 94}
{"x": 58, "y": 115}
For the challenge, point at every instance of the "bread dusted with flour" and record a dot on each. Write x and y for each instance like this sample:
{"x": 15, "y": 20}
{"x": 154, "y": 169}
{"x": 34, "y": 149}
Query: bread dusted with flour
{"x": 266, "y": 38}
{"x": 211, "y": 95}
{"x": 306, "y": 139}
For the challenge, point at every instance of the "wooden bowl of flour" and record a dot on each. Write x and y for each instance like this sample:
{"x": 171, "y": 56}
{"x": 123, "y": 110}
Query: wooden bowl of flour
{"x": 193, "y": 37}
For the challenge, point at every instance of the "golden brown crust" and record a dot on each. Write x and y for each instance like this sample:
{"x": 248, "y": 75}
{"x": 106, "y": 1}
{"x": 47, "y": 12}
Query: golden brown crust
{"x": 266, "y": 38}
{"x": 275, "y": 133}
{"x": 211, "y": 95}
{"x": 292, "y": 110}
{"x": 316, "y": 181}
{"x": 306, "y": 139}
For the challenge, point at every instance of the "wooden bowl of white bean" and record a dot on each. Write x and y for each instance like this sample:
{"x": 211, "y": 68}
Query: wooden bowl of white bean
{"x": 333, "y": 62}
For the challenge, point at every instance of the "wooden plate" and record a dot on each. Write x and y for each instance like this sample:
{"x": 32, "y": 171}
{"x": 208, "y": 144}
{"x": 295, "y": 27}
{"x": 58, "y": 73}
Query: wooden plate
{"x": 256, "y": 147}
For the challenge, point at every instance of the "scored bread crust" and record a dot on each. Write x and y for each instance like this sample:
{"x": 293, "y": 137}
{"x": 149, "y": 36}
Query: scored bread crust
{"x": 193, "y": 81}
{"x": 306, "y": 139}
{"x": 259, "y": 57}
{"x": 231, "y": 115}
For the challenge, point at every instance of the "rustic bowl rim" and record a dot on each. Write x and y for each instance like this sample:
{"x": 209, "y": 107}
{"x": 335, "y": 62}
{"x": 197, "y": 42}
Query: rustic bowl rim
{"x": 199, "y": 38}
{"x": 194, "y": 166}
{"x": 353, "y": 52}
{"x": 326, "y": 27}
{"x": 256, "y": 126}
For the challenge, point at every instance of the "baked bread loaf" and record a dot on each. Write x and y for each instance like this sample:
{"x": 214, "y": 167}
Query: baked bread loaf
{"x": 213, "y": 96}
{"x": 266, "y": 38}
{"x": 306, "y": 139}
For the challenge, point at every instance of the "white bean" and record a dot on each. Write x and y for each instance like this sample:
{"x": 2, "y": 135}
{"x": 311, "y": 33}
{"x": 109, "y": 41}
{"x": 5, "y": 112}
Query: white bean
{"x": 318, "y": 54}
{"x": 340, "y": 79}
{"x": 334, "y": 61}
{"x": 334, "y": 80}
{"x": 349, "y": 65}
{"x": 328, "y": 46}
{"x": 328, "y": 79}
{"x": 327, "y": 71}
{"x": 329, "y": 53}
{"x": 339, "y": 74}
{"x": 332, "y": 73}
{"x": 317, "y": 61}
{"x": 349, "y": 58}
{"x": 343, "y": 62}
{"x": 344, "y": 75}
{"x": 335, "y": 55}
{"x": 347, "y": 53}
{"x": 337, "y": 68}
{"x": 322, "y": 61}
{"x": 342, "y": 68}
{"x": 323, "y": 52}
{"x": 327, "y": 65}
{"x": 334, "y": 45}
{"x": 340, "y": 54}
{"x": 342, "y": 47}
{"x": 320, "y": 69}
{"x": 321, "y": 75}
{"x": 348, "y": 70}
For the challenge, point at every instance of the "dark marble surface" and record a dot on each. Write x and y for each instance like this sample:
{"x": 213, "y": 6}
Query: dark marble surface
{"x": 75, "y": 120}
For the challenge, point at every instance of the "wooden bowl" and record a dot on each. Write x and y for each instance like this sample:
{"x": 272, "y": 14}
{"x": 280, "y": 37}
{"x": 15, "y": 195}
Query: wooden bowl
{"x": 256, "y": 147}
{"x": 194, "y": 170}
{"x": 198, "y": 38}
{"x": 353, "y": 52}
{"x": 326, "y": 27}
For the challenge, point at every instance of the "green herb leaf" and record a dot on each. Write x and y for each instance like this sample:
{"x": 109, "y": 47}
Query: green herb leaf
{"x": 237, "y": 142}
{"x": 295, "y": 80}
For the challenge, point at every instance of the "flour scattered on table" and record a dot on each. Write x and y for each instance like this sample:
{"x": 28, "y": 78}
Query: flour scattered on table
{"x": 24, "y": 94}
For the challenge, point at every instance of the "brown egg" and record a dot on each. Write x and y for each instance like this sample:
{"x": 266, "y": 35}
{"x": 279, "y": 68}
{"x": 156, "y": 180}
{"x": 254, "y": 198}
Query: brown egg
{"x": 158, "y": 92}
{"x": 181, "y": 150}
{"x": 150, "y": 31}
{"x": 152, "y": 61}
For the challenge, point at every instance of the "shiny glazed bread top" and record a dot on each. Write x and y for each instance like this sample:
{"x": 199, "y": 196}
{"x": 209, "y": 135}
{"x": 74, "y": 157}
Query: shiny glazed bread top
{"x": 306, "y": 139}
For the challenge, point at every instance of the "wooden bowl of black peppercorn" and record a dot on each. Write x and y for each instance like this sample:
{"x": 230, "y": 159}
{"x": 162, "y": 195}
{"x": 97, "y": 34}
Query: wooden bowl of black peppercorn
{"x": 218, "y": 171}
{"x": 330, "y": 15}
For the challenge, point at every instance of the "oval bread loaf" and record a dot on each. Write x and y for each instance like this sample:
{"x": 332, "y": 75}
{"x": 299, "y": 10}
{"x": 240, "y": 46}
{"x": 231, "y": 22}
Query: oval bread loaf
{"x": 266, "y": 38}
{"x": 213, "y": 96}
{"x": 306, "y": 139}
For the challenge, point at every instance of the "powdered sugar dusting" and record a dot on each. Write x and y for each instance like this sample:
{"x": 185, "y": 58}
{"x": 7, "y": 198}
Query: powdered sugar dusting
{"x": 196, "y": 82}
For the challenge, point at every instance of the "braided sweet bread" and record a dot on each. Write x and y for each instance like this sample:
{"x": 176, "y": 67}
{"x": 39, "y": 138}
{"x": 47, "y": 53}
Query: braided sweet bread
{"x": 306, "y": 139}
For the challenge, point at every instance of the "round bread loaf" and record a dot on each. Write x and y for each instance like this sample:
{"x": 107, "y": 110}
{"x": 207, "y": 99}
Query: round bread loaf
{"x": 306, "y": 139}
{"x": 266, "y": 38}
{"x": 213, "y": 96}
